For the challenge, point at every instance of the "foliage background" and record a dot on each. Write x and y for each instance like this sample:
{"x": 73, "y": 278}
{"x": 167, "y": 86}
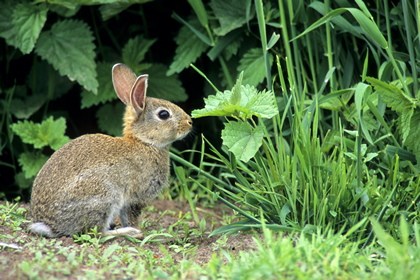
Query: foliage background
{"x": 344, "y": 75}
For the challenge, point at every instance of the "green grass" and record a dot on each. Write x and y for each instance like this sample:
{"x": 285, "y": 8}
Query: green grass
{"x": 335, "y": 155}
{"x": 323, "y": 255}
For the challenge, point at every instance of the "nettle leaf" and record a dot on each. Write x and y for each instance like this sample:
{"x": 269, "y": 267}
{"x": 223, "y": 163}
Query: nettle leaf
{"x": 412, "y": 140}
{"x": 253, "y": 66}
{"x": 251, "y": 103}
{"x": 48, "y": 133}
{"x": 398, "y": 101}
{"x": 135, "y": 49}
{"x": 105, "y": 90}
{"x": 231, "y": 14}
{"x": 111, "y": 10}
{"x": 69, "y": 47}
{"x": 24, "y": 108}
{"x": 20, "y": 24}
{"x": 189, "y": 48}
{"x": 110, "y": 118}
{"x": 162, "y": 86}
{"x": 405, "y": 123}
{"x": 394, "y": 97}
{"x": 31, "y": 163}
{"x": 242, "y": 139}
{"x": 64, "y": 11}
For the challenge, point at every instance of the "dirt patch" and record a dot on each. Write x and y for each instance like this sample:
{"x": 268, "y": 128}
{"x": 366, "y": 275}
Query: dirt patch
{"x": 169, "y": 228}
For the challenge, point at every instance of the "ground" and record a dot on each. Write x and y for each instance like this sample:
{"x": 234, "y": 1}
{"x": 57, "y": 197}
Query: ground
{"x": 170, "y": 233}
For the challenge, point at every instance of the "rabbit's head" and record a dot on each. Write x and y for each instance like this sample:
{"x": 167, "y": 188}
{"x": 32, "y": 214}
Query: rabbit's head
{"x": 153, "y": 121}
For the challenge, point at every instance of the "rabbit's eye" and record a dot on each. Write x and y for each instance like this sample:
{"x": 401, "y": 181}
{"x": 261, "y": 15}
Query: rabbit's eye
{"x": 164, "y": 114}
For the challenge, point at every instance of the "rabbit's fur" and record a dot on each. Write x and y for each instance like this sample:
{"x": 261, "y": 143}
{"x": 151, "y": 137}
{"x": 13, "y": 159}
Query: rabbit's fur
{"x": 96, "y": 178}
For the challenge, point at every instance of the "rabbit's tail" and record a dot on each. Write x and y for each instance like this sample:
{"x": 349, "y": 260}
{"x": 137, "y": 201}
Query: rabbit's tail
{"x": 42, "y": 228}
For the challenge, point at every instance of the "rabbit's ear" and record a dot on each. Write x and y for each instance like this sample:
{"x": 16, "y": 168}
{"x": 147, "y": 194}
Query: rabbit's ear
{"x": 123, "y": 79}
{"x": 138, "y": 93}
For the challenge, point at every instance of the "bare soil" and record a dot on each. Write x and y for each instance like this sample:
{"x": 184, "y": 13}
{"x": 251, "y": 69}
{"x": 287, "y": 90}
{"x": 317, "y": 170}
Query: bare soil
{"x": 161, "y": 215}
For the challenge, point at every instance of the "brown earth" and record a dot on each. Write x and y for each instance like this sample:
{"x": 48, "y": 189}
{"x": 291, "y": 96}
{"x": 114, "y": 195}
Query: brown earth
{"x": 162, "y": 216}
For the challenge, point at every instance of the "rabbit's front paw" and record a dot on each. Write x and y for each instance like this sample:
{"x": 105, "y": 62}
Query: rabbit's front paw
{"x": 130, "y": 231}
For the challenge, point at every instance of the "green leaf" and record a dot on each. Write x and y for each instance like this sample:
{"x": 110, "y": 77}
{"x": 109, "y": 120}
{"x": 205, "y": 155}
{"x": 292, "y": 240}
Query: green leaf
{"x": 392, "y": 96}
{"x": 22, "y": 181}
{"x": 273, "y": 40}
{"x": 200, "y": 11}
{"x": 24, "y": 108}
{"x": 251, "y": 103}
{"x": 253, "y": 65}
{"x": 111, "y": 10}
{"x": 369, "y": 27}
{"x": 69, "y": 47}
{"x": 339, "y": 21}
{"x": 412, "y": 140}
{"x": 110, "y": 118}
{"x": 189, "y": 48}
{"x": 21, "y": 24}
{"x": 197, "y": 32}
{"x": 228, "y": 44}
{"x": 242, "y": 139}
{"x": 31, "y": 163}
{"x": 231, "y": 14}
{"x": 405, "y": 123}
{"x": 235, "y": 98}
{"x": 397, "y": 100}
{"x": 48, "y": 133}
{"x": 64, "y": 11}
{"x": 162, "y": 86}
{"x": 135, "y": 49}
{"x": 105, "y": 90}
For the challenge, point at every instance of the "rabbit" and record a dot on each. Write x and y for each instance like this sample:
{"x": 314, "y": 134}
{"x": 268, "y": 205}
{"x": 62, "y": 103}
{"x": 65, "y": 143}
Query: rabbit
{"x": 95, "y": 178}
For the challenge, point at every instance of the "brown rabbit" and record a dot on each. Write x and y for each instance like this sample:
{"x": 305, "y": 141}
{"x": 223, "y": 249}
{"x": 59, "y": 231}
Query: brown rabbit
{"x": 96, "y": 178}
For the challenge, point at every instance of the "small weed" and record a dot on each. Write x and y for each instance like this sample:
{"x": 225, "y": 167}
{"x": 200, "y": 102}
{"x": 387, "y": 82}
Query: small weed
{"x": 12, "y": 215}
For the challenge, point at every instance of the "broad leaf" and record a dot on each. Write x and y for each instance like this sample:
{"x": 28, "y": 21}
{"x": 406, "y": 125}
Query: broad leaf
{"x": 21, "y": 24}
{"x": 392, "y": 95}
{"x": 31, "y": 163}
{"x": 24, "y": 108}
{"x": 242, "y": 139}
{"x": 231, "y": 14}
{"x": 69, "y": 47}
{"x": 253, "y": 66}
{"x": 111, "y": 10}
{"x": 412, "y": 140}
{"x": 189, "y": 48}
{"x": 251, "y": 103}
{"x": 408, "y": 122}
{"x": 105, "y": 90}
{"x": 135, "y": 49}
{"x": 48, "y": 133}
{"x": 162, "y": 86}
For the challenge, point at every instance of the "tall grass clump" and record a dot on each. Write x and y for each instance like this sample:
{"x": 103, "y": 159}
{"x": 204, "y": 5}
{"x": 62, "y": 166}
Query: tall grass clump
{"x": 341, "y": 146}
